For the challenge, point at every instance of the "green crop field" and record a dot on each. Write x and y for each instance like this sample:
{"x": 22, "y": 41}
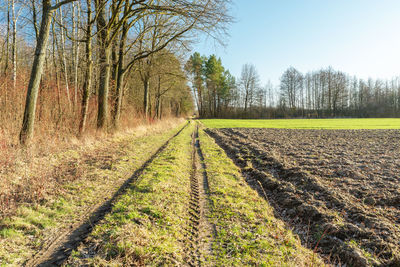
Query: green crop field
{"x": 384, "y": 123}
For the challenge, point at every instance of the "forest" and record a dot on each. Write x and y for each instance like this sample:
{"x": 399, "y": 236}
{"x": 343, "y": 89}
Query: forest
{"x": 324, "y": 93}
{"x": 69, "y": 67}
{"x": 120, "y": 145}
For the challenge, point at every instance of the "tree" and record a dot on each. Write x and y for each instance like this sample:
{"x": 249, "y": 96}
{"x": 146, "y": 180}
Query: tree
{"x": 249, "y": 82}
{"x": 159, "y": 24}
{"x": 291, "y": 84}
{"x": 89, "y": 69}
{"x": 14, "y": 18}
{"x": 37, "y": 70}
{"x": 194, "y": 69}
{"x": 103, "y": 38}
{"x": 213, "y": 70}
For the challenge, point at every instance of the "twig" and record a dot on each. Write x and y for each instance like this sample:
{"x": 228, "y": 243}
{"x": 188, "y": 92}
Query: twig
{"x": 262, "y": 188}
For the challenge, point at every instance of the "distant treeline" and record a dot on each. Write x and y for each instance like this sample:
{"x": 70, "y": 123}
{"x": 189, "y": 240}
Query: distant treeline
{"x": 317, "y": 94}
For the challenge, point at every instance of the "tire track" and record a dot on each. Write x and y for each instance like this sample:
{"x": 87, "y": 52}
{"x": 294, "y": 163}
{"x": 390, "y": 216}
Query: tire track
{"x": 199, "y": 231}
{"x": 192, "y": 238}
{"x": 210, "y": 231}
{"x": 56, "y": 251}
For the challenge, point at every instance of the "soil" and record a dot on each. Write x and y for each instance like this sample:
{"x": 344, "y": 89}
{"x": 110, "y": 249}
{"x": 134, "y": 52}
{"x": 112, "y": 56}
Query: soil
{"x": 200, "y": 231}
{"x": 338, "y": 189}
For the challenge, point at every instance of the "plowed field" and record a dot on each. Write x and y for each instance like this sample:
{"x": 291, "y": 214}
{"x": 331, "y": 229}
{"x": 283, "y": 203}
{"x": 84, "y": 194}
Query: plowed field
{"x": 338, "y": 189}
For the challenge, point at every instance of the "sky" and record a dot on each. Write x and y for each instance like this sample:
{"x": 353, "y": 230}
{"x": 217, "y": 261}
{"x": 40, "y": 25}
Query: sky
{"x": 359, "y": 37}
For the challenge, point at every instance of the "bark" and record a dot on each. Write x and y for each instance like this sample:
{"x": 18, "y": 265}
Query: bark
{"x": 200, "y": 97}
{"x": 178, "y": 109}
{"x": 75, "y": 19}
{"x": 114, "y": 58}
{"x": 158, "y": 100}
{"x": 160, "y": 108}
{"x": 64, "y": 62}
{"x": 89, "y": 71}
{"x": 7, "y": 40}
{"x": 120, "y": 77}
{"x": 34, "y": 18}
{"x": 55, "y": 69}
{"x": 14, "y": 44}
{"x": 215, "y": 101}
{"x": 104, "y": 62}
{"x": 146, "y": 96}
{"x": 36, "y": 74}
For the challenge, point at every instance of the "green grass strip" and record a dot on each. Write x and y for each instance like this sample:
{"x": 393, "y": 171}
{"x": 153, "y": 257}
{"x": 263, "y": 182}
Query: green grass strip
{"x": 146, "y": 225}
{"x": 380, "y": 123}
{"x": 247, "y": 231}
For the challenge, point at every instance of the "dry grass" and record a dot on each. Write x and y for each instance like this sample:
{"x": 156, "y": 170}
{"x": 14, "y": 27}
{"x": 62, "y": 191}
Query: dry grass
{"x": 147, "y": 226}
{"x": 30, "y": 176}
{"x": 97, "y": 170}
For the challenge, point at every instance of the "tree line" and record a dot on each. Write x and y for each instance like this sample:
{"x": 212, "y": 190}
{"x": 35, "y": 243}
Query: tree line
{"x": 325, "y": 93}
{"x": 91, "y": 62}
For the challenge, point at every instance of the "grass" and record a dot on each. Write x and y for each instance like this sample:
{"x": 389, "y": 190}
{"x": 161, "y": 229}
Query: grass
{"x": 381, "y": 123}
{"x": 101, "y": 171}
{"x": 147, "y": 224}
{"x": 357, "y": 247}
{"x": 247, "y": 231}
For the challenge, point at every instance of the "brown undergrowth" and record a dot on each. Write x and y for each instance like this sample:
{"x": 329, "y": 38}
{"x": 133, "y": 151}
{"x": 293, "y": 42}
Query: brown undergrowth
{"x": 79, "y": 181}
{"x": 36, "y": 174}
{"x": 31, "y": 175}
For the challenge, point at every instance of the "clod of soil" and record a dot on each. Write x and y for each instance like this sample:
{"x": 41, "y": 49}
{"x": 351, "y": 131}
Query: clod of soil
{"x": 339, "y": 189}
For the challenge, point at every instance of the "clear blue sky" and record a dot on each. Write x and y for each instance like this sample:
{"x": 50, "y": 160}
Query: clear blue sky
{"x": 359, "y": 37}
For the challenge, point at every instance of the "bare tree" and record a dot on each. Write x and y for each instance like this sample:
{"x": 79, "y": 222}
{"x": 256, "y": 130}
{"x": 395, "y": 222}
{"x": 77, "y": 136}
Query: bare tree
{"x": 249, "y": 81}
{"x": 291, "y": 84}
{"x": 62, "y": 54}
{"x": 37, "y": 70}
{"x": 14, "y": 18}
{"x": 87, "y": 86}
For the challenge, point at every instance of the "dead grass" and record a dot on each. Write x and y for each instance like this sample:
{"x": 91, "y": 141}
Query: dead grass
{"x": 147, "y": 224}
{"x": 30, "y": 176}
{"x": 79, "y": 180}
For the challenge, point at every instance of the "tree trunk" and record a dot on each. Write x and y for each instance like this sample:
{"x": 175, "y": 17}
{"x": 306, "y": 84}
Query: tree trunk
{"x": 245, "y": 102}
{"x": 89, "y": 71}
{"x": 34, "y": 18}
{"x": 7, "y": 40}
{"x": 75, "y": 20}
{"x": 158, "y": 99}
{"x": 146, "y": 96}
{"x": 215, "y": 101}
{"x": 104, "y": 62}
{"x": 160, "y": 108}
{"x": 178, "y": 109}
{"x": 119, "y": 89}
{"x": 64, "y": 61}
{"x": 14, "y": 44}
{"x": 36, "y": 74}
{"x": 56, "y": 70}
